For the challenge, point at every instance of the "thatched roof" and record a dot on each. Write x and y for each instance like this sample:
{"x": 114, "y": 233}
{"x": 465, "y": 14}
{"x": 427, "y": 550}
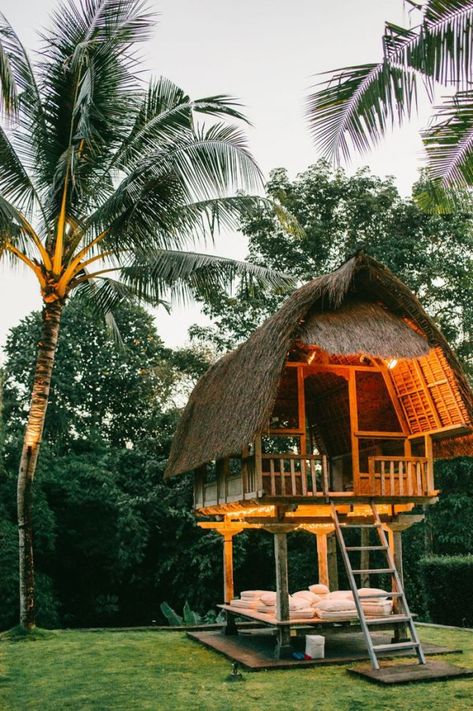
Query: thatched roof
{"x": 363, "y": 327}
{"x": 360, "y": 307}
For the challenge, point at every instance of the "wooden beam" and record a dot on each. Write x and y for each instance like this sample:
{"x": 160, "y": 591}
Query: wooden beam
{"x": 355, "y": 456}
{"x": 365, "y": 557}
{"x": 332, "y": 561}
{"x": 428, "y": 394}
{"x": 334, "y": 367}
{"x": 301, "y": 409}
{"x": 429, "y": 453}
{"x": 395, "y": 400}
{"x": 322, "y": 559}
{"x": 283, "y": 646}
{"x": 228, "y": 585}
{"x": 258, "y": 463}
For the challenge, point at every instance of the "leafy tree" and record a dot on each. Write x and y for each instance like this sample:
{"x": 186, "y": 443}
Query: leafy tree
{"x": 103, "y": 182}
{"x": 340, "y": 214}
{"x": 104, "y": 518}
{"x": 356, "y": 105}
{"x": 99, "y": 390}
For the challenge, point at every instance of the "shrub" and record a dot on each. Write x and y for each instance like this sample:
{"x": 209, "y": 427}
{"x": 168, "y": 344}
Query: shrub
{"x": 447, "y": 583}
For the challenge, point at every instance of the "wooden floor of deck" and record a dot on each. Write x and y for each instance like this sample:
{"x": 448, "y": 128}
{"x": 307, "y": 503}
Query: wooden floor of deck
{"x": 437, "y": 670}
{"x": 254, "y": 649}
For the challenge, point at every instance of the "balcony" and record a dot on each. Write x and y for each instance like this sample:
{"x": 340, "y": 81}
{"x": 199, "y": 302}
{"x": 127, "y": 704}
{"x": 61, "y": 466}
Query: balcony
{"x": 277, "y": 478}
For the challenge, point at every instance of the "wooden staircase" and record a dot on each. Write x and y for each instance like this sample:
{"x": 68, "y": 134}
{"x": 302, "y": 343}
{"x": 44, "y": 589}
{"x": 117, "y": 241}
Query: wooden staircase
{"x": 366, "y": 622}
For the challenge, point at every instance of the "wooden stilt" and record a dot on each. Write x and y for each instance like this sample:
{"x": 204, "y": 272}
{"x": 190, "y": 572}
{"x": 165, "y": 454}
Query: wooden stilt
{"x": 322, "y": 558}
{"x": 332, "y": 561}
{"x": 365, "y": 557}
{"x": 283, "y": 646}
{"x": 395, "y": 544}
{"x": 228, "y": 586}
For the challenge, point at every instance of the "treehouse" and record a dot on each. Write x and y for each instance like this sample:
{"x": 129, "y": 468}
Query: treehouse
{"x": 338, "y": 403}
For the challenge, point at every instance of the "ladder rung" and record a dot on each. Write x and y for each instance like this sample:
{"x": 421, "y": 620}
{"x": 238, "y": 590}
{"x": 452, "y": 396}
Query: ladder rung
{"x": 374, "y": 570}
{"x": 360, "y": 525}
{"x": 378, "y": 595}
{"x": 395, "y": 645}
{"x": 366, "y": 548}
{"x": 390, "y": 619}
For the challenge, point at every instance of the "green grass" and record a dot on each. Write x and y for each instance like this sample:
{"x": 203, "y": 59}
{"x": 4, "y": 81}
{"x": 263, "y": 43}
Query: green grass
{"x": 165, "y": 670}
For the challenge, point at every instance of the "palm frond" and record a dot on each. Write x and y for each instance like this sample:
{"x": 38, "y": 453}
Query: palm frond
{"x": 354, "y": 108}
{"x": 88, "y": 75}
{"x": 434, "y": 197}
{"x": 446, "y": 42}
{"x": 8, "y": 88}
{"x": 162, "y": 202}
{"x": 449, "y": 142}
{"x": 15, "y": 183}
{"x": 166, "y": 112}
{"x": 357, "y": 104}
{"x": 187, "y": 274}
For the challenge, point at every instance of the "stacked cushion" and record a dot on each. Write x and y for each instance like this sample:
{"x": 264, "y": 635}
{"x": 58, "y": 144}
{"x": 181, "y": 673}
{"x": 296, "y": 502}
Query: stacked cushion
{"x": 336, "y": 609}
{"x": 319, "y": 589}
{"x": 375, "y": 606}
{"x": 310, "y": 597}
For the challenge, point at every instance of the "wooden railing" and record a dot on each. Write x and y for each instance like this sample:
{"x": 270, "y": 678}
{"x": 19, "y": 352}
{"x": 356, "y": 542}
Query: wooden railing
{"x": 396, "y": 476}
{"x": 308, "y": 475}
{"x": 295, "y": 474}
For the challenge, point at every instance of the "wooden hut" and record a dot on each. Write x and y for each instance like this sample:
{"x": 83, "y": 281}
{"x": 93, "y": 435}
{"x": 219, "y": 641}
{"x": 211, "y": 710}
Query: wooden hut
{"x": 331, "y": 414}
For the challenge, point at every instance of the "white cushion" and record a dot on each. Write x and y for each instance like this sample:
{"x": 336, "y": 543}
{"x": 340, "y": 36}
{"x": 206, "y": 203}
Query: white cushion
{"x": 269, "y": 598}
{"x": 252, "y": 594}
{"x": 379, "y": 609}
{"x": 297, "y": 603}
{"x": 306, "y": 613}
{"x": 319, "y": 589}
{"x": 341, "y": 595}
{"x": 341, "y": 615}
{"x": 364, "y": 592}
{"x": 307, "y": 595}
{"x": 246, "y": 604}
{"x": 340, "y": 605}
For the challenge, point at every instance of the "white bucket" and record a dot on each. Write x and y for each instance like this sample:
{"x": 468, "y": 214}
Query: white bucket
{"x": 315, "y": 646}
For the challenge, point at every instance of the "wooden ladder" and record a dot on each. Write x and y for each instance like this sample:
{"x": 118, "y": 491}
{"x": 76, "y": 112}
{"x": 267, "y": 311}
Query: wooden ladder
{"x": 367, "y": 622}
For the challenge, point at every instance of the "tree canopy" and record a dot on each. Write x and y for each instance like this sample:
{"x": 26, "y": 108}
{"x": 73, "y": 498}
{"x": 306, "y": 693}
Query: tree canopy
{"x": 340, "y": 214}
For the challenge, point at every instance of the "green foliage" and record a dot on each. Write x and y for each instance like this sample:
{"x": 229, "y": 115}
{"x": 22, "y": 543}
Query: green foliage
{"x": 190, "y": 617}
{"x": 447, "y": 583}
{"x": 100, "y": 389}
{"x": 451, "y": 519}
{"x": 340, "y": 214}
{"x": 166, "y": 671}
{"x": 355, "y": 106}
{"x": 172, "y": 617}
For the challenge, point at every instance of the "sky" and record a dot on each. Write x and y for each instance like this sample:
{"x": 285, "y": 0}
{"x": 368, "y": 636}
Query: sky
{"x": 266, "y": 53}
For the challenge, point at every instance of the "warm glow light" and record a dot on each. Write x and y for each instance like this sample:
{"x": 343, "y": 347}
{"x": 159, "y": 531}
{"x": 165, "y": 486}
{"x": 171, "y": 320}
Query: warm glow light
{"x": 392, "y": 363}
{"x": 258, "y": 510}
{"x": 311, "y": 357}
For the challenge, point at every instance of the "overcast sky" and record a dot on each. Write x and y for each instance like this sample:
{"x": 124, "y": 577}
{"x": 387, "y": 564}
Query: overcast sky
{"x": 265, "y": 52}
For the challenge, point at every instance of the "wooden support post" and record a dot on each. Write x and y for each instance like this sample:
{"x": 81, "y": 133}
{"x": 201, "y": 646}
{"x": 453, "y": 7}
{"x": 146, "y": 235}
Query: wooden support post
{"x": 365, "y": 557}
{"x": 355, "y": 454}
{"x": 283, "y": 646}
{"x": 322, "y": 558}
{"x": 395, "y": 544}
{"x": 332, "y": 561}
{"x": 228, "y": 585}
{"x": 258, "y": 463}
{"x": 429, "y": 453}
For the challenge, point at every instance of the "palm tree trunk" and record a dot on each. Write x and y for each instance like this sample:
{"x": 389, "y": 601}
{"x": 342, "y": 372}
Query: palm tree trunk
{"x": 29, "y": 456}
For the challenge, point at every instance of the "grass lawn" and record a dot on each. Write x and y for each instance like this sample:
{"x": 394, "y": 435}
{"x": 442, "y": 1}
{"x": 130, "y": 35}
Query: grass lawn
{"x": 165, "y": 670}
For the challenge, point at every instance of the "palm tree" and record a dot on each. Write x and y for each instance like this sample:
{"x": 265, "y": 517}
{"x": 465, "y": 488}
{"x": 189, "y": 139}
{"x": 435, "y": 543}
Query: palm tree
{"x": 356, "y": 105}
{"x": 103, "y": 182}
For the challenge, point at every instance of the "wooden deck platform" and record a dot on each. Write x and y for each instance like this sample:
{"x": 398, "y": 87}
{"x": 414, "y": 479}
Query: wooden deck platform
{"x": 254, "y": 649}
{"x": 408, "y": 673}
